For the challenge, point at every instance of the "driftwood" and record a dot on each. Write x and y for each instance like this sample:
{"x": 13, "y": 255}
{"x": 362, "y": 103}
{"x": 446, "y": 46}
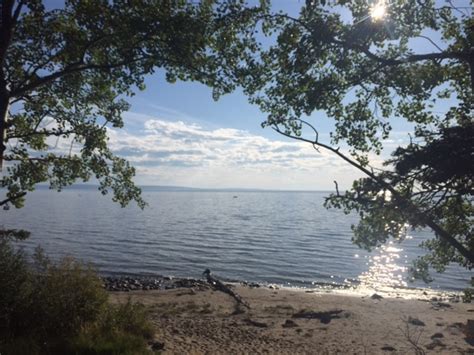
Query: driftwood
{"x": 220, "y": 286}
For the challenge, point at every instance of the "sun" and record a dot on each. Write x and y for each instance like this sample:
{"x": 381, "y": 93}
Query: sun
{"x": 378, "y": 10}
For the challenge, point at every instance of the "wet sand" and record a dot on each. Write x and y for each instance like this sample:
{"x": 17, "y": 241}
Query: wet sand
{"x": 199, "y": 320}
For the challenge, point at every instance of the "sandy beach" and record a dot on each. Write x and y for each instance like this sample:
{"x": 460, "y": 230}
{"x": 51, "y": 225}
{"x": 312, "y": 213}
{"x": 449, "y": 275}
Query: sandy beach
{"x": 199, "y": 320}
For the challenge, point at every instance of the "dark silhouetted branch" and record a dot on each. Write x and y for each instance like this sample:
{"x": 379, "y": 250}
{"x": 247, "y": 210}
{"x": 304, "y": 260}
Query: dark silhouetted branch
{"x": 400, "y": 200}
{"x": 13, "y": 198}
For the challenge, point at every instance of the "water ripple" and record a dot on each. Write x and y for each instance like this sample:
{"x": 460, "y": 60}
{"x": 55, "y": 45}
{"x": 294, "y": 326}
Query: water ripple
{"x": 274, "y": 237}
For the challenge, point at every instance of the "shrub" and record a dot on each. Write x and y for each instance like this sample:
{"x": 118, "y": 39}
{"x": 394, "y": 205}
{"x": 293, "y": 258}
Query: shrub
{"x": 121, "y": 330}
{"x": 15, "y": 295}
{"x": 68, "y": 295}
{"x": 62, "y": 308}
{"x": 468, "y": 295}
{"x": 128, "y": 317}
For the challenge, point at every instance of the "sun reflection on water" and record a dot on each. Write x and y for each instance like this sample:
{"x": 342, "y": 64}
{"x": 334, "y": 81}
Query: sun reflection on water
{"x": 385, "y": 269}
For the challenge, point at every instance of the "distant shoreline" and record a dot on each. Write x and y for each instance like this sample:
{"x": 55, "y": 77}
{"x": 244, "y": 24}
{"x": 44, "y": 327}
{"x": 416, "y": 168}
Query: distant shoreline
{"x": 159, "y": 188}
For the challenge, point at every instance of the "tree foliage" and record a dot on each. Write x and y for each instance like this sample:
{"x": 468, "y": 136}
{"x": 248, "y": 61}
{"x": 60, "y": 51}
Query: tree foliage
{"x": 415, "y": 64}
{"x": 65, "y": 74}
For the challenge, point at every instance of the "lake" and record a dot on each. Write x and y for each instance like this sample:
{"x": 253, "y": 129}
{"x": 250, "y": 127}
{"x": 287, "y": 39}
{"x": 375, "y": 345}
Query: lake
{"x": 285, "y": 238}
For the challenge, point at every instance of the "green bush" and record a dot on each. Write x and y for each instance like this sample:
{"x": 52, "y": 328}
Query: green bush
{"x": 468, "y": 295}
{"x": 15, "y": 291}
{"x": 129, "y": 317}
{"x": 62, "y": 308}
{"x": 67, "y": 296}
{"x": 120, "y": 330}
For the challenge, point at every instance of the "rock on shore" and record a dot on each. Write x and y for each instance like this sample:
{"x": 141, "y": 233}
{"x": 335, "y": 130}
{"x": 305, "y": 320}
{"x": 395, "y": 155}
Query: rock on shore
{"x": 129, "y": 283}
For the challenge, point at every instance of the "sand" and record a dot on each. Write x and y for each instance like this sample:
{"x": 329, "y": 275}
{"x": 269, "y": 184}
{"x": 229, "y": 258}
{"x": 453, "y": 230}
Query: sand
{"x": 295, "y": 321}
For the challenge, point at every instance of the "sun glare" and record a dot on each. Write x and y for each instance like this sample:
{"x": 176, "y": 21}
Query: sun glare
{"x": 378, "y": 10}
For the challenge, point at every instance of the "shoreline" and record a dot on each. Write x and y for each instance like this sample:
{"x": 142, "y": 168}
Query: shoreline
{"x": 198, "y": 319}
{"x": 148, "y": 283}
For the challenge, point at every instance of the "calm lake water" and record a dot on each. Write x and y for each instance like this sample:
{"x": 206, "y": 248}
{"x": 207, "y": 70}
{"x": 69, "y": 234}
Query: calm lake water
{"x": 285, "y": 238}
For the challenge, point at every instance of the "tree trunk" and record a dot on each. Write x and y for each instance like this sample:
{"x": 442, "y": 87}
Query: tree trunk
{"x": 6, "y": 29}
{"x": 4, "y": 98}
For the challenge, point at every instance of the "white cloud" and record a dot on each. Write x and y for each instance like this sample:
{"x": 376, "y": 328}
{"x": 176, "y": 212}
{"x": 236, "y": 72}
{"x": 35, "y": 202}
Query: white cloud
{"x": 187, "y": 154}
{"x": 179, "y": 153}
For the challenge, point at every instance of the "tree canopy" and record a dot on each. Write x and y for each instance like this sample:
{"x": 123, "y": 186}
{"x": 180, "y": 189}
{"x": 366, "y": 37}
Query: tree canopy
{"x": 65, "y": 74}
{"x": 366, "y": 67}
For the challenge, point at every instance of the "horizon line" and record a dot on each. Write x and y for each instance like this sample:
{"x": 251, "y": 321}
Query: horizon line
{"x": 184, "y": 188}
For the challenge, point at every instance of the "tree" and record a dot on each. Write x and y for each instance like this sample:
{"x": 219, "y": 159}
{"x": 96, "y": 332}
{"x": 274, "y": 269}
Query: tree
{"x": 409, "y": 59}
{"x": 65, "y": 74}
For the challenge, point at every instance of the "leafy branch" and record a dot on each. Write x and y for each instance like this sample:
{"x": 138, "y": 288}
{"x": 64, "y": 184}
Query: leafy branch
{"x": 401, "y": 201}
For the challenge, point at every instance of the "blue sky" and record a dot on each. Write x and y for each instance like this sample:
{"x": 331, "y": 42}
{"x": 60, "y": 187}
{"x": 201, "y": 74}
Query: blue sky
{"x": 176, "y": 134}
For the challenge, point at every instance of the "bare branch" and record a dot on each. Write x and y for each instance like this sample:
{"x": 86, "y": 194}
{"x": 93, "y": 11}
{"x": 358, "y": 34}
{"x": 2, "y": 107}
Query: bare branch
{"x": 337, "y": 188}
{"x": 431, "y": 41}
{"x": 412, "y": 336}
{"x": 400, "y": 200}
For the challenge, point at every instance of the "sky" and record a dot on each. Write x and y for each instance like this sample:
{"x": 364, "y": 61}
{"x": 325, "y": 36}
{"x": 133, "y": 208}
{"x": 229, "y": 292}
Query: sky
{"x": 176, "y": 134}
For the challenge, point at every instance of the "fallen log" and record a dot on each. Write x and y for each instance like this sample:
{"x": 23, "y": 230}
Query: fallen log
{"x": 218, "y": 285}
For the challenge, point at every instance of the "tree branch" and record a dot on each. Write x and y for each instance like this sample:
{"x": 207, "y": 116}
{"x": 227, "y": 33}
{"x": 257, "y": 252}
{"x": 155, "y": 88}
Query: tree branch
{"x": 409, "y": 59}
{"x": 6, "y": 26}
{"x": 431, "y": 41}
{"x": 337, "y": 188}
{"x": 13, "y": 198}
{"x": 401, "y": 201}
{"x": 39, "y": 65}
{"x": 17, "y": 11}
{"x": 70, "y": 69}
{"x": 331, "y": 38}
{"x": 44, "y": 132}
